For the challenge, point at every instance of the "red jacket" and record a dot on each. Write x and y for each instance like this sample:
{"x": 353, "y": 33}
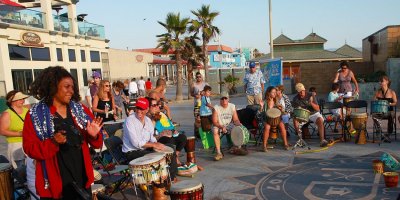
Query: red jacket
{"x": 47, "y": 150}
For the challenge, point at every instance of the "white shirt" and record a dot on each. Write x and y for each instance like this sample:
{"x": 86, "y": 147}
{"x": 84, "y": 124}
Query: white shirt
{"x": 133, "y": 88}
{"x": 225, "y": 115}
{"x": 136, "y": 134}
{"x": 140, "y": 84}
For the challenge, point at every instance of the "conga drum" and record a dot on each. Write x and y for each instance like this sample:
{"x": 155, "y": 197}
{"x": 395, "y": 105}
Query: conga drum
{"x": 190, "y": 148}
{"x": 187, "y": 190}
{"x": 6, "y": 182}
{"x": 240, "y": 135}
{"x": 359, "y": 121}
{"x": 151, "y": 168}
{"x": 273, "y": 118}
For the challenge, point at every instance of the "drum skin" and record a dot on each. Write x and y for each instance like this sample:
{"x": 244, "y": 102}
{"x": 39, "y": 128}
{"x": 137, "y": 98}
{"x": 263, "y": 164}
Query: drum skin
{"x": 273, "y": 117}
{"x": 187, "y": 190}
{"x": 151, "y": 168}
{"x": 240, "y": 135}
{"x": 302, "y": 115}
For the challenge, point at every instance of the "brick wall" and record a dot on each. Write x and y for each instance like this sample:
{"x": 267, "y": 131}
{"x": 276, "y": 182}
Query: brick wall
{"x": 321, "y": 75}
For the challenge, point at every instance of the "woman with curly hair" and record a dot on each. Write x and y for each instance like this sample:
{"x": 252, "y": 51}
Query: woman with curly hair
{"x": 56, "y": 133}
{"x": 272, "y": 102}
{"x": 103, "y": 102}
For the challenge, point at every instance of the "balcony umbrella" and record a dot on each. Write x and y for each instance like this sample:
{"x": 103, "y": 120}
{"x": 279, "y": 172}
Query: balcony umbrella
{"x": 10, "y": 3}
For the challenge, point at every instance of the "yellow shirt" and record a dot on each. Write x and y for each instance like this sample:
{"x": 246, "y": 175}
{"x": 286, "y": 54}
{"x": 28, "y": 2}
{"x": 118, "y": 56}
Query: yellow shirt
{"x": 16, "y": 124}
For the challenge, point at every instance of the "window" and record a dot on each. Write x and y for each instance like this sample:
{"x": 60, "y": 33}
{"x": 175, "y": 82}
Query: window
{"x": 83, "y": 56}
{"x": 36, "y": 72}
{"x": 85, "y": 77}
{"x": 94, "y": 56}
{"x": 18, "y": 53}
{"x": 71, "y": 54}
{"x": 74, "y": 73}
{"x": 40, "y": 54}
{"x": 59, "y": 54}
{"x": 22, "y": 78}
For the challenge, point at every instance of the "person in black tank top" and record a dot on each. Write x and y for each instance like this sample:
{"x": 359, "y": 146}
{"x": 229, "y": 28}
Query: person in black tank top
{"x": 385, "y": 93}
{"x": 103, "y": 102}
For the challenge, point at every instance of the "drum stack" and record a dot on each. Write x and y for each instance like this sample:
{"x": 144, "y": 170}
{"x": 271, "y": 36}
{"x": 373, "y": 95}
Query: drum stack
{"x": 273, "y": 119}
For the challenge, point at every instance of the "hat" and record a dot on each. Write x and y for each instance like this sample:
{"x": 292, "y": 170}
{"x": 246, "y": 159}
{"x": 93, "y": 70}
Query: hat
{"x": 142, "y": 103}
{"x": 300, "y": 87}
{"x": 225, "y": 94}
{"x": 252, "y": 64}
{"x": 18, "y": 96}
{"x": 96, "y": 74}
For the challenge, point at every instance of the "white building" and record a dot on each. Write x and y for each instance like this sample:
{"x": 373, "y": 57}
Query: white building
{"x": 31, "y": 40}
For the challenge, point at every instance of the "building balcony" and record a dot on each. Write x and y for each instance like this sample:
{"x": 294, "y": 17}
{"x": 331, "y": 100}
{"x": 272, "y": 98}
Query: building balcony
{"x": 33, "y": 18}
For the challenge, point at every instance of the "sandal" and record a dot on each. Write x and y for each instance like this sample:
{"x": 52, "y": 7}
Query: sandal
{"x": 263, "y": 149}
{"x": 287, "y": 147}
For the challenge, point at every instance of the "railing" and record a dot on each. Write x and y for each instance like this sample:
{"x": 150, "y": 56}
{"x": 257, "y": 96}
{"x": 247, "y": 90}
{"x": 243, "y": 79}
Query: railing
{"x": 61, "y": 23}
{"x": 90, "y": 29}
{"x": 33, "y": 18}
{"x": 26, "y": 17}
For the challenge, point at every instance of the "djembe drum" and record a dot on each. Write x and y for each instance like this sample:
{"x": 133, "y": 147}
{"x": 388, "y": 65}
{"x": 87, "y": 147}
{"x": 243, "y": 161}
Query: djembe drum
{"x": 151, "y": 168}
{"x": 187, "y": 190}
{"x": 168, "y": 151}
{"x": 190, "y": 148}
{"x": 240, "y": 136}
{"x": 273, "y": 119}
{"x": 359, "y": 121}
{"x": 6, "y": 182}
{"x": 379, "y": 107}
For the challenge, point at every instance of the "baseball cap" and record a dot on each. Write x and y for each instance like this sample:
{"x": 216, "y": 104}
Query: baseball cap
{"x": 142, "y": 103}
{"x": 96, "y": 74}
{"x": 225, "y": 94}
{"x": 300, "y": 87}
{"x": 252, "y": 64}
{"x": 18, "y": 96}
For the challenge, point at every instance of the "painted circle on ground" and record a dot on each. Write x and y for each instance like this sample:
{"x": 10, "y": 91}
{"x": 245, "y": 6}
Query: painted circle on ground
{"x": 338, "y": 178}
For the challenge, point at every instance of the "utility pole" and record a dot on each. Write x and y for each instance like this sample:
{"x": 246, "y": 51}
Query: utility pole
{"x": 271, "y": 42}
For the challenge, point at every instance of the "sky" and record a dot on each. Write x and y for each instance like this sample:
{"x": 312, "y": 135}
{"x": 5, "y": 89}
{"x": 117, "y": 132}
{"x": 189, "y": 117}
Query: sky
{"x": 133, "y": 24}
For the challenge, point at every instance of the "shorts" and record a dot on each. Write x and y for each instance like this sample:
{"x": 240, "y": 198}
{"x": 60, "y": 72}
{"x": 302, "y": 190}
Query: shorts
{"x": 315, "y": 116}
{"x": 337, "y": 112}
{"x": 228, "y": 127}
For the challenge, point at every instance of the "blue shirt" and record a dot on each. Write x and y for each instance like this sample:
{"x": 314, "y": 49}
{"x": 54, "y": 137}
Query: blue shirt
{"x": 333, "y": 96}
{"x": 204, "y": 109}
{"x": 253, "y": 82}
{"x": 137, "y": 134}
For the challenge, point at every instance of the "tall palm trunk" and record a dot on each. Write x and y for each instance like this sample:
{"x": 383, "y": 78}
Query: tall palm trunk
{"x": 179, "y": 86}
{"x": 190, "y": 79}
{"x": 205, "y": 59}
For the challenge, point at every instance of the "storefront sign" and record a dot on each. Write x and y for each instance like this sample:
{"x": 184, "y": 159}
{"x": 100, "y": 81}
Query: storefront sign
{"x": 272, "y": 70}
{"x": 30, "y": 39}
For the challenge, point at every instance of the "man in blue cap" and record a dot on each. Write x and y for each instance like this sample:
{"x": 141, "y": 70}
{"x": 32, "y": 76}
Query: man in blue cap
{"x": 254, "y": 84}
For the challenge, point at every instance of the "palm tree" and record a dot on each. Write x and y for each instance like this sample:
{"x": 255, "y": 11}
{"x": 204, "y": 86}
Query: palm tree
{"x": 173, "y": 39}
{"x": 204, "y": 24}
{"x": 192, "y": 53}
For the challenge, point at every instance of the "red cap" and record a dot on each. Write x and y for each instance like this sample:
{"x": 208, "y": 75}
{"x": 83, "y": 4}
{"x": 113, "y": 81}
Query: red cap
{"x": 142, "y": 103}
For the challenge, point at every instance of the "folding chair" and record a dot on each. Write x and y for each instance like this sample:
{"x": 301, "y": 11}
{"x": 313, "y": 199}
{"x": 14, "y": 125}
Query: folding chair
{"x": 329, "y": 118}
{"x": 353, "y": 105}
{"x": 386, "y": 117}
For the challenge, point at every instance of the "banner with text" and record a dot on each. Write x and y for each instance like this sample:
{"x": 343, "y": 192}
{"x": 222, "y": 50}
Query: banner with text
{"x": 272, "y": 70}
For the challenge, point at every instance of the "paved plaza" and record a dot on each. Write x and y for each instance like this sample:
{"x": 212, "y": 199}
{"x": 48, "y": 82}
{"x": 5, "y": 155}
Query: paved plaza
{"x": 343, "y": 171}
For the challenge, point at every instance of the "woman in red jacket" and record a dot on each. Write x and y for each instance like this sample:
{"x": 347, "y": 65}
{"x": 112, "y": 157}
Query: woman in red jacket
{"x": 56, "y": 134}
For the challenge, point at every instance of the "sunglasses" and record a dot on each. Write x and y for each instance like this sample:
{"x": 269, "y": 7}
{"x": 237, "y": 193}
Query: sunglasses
{"x": 154, "y": 105}
{"x": 224, "y": 98}
{"x": 198, "y": 76}
{"x": 106, "y": 85}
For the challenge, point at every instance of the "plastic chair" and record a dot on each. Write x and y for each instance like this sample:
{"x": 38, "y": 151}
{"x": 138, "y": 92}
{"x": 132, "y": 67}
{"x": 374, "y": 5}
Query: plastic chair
{"x": 329, "y": 118}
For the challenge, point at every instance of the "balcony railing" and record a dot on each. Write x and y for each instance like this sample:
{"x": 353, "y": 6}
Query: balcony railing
{"x": 33, "y": 18}
{"x": 25, "y": 17}
{"x": 89, "y": 29}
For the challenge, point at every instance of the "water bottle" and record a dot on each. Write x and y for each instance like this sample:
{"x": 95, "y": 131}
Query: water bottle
{"x": 107, "y": 108}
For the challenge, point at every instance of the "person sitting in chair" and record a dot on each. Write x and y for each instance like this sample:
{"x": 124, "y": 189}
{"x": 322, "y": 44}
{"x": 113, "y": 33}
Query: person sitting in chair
{"x": 138, "y": 139}
{"x": 385, "y": 93}
{"x": 306, "y": 101}
{"x": 224, "y": 119}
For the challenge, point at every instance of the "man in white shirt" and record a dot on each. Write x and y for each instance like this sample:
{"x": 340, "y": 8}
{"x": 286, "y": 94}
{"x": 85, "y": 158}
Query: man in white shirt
{"x": 141, "y": 86}
{"x": 133, "y": 89}
{"x": 224, "y": 118}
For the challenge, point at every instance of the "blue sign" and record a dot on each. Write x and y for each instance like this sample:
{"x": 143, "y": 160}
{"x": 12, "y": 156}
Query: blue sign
{"x": 272, "y": 70}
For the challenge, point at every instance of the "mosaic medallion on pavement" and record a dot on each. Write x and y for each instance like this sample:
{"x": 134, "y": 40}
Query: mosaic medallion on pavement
{"x": 340, "y": 177}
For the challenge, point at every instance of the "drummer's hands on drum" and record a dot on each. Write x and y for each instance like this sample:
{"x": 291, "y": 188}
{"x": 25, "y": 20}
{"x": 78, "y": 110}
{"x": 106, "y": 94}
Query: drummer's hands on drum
{"x": 158, "y": 146}
{"x": 237, "y": 123}
{"x": 93, "y": 128}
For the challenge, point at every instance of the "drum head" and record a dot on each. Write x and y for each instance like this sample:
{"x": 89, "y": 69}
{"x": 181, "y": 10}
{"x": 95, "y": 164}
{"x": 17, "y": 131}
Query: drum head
{"x": 358, "y": 115}
{"x": 147, "y": 159}
{"x": 273, "y": 113}
{"x": 237, "y": 136}
{"x": 167, "y": 150}
{"x": 186, "y": 186}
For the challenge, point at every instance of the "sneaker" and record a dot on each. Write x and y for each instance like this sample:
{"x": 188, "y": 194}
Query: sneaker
{"x": 219, "y": 156}
{"x": 323, "y": 143}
